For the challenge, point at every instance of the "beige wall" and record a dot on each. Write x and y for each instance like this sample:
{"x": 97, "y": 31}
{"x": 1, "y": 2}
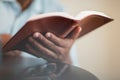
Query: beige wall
{"x": 99, "y": 51}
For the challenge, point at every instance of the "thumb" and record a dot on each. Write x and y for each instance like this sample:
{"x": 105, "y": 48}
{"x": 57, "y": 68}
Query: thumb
{"x": 75, "y": 33}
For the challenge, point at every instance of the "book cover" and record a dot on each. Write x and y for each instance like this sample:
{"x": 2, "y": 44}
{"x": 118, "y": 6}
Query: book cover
{"x": 60, "y": 24}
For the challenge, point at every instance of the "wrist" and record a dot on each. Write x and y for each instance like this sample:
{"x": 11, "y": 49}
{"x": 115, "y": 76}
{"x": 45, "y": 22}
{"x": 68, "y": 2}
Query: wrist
{"x": 66, "y": 58}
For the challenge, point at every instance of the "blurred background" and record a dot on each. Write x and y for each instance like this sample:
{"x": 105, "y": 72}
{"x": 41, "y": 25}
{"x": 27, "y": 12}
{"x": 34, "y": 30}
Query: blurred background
{"x": 99, "y": 51}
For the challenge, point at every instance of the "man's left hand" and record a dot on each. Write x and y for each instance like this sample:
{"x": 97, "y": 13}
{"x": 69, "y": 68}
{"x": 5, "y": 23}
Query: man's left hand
{"x": 52, "y": 47}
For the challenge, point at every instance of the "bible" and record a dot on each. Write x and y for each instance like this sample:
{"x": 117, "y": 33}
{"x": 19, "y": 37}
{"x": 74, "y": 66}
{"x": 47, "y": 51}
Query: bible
{"x": 59, "y": 23}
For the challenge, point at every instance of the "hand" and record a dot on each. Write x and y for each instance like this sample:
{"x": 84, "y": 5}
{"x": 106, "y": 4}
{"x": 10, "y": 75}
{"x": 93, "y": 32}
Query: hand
{"x": 4, "y": 39}
{"x": 51, "y": 47}
{"x": 12, "y": 53}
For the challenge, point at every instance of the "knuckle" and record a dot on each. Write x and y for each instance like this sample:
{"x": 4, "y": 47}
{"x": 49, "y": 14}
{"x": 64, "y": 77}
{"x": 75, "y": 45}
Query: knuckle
{"x": 32, "y": 41}
{"x": 42, "y": 50}
{"x": 52, "y": 45}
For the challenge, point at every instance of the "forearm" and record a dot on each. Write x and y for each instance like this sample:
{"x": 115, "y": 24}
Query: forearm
{"x": 0, "y": 50}
{"x": 4, "y": 38}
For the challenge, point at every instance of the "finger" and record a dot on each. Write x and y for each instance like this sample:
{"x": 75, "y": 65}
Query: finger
{"x": 75, "y": 33}
{"x": 41, "y": 48}
{"x": 46, "y": 43}
{"x": 36, "y": 53}
{"x": 12, "y": 53}
{"x": 32, "y": 51}
{"x": 56, "y": 40}
{"x": 51, "y": 45}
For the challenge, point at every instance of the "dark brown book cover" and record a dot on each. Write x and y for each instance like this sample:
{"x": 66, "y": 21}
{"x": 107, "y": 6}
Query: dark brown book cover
{"x": 59, "y": 25}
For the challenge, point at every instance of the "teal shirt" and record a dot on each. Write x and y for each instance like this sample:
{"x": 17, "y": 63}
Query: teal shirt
{"x": 12, "y": 18}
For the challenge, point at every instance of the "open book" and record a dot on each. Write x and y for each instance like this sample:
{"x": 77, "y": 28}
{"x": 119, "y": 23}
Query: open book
{"x": 59, "y": 23}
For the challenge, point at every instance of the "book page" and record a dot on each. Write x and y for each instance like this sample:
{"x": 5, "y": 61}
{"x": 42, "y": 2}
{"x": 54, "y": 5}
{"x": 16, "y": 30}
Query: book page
{"x": 62, "y": 14}
{"x": 84, "y": 14}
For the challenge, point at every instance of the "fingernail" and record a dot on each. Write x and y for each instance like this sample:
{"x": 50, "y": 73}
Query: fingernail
{"x": 48, "y": 34}
{"x": 36, "y": 34}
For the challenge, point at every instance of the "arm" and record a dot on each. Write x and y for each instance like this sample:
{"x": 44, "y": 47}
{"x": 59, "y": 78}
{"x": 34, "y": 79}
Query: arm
{"x": 52, "y": 47}
{"x": 3, "y": 40}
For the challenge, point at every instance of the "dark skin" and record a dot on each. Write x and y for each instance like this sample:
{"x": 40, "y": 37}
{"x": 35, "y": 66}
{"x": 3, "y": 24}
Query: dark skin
{"x": 50, "y": 46}
{"x": 24, "y": 3}
{"x": 53, "y": 48}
